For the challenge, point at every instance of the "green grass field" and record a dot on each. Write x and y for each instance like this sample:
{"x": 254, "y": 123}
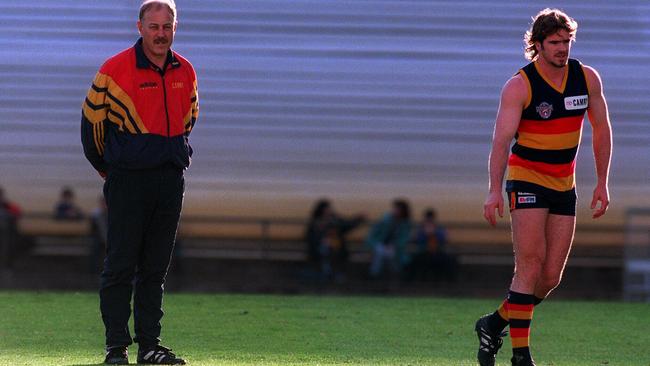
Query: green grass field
{"x": 65, "y": 329}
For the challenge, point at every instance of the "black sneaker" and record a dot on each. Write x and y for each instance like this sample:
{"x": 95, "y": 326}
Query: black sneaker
{"x": 520, "y": 360}
{"x": 489, "y": 343}
{"x": 159, "y": 355}
{"x": 117, "y": 355}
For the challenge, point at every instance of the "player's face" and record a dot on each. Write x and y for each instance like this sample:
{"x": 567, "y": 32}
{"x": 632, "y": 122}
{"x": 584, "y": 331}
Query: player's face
{"x": 556, "y": 48}
{"x": 157, "y": 29}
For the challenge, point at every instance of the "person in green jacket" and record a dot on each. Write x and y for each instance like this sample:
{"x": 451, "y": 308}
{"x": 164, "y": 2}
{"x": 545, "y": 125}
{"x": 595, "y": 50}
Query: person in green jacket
{"x": 388, "y": 239}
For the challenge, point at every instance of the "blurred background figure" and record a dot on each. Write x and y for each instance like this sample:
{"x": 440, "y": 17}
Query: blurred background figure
{"x": 9, "y": 216}
{"x": 327, "y": 246}
{"x": 8, "y": 209}
{"x": 66, "y": 208}
{"x": 99, "y": 234}
{"x": 388, "y": 239}
{"x": 431, "y": 256}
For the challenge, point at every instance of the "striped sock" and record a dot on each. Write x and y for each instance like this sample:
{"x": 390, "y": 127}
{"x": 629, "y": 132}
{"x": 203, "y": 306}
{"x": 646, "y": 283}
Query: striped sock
{"x": 520, "y": 313}
{"x": 498, "y": 321}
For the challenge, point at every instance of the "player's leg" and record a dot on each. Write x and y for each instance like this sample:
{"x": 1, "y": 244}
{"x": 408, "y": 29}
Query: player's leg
{"x": 559, "y": 236}
{"x": 560, "y": 228}
{"x": 528, "y": 234}
{"x": 529, "y": 239}
{"x": 527, "y": 256}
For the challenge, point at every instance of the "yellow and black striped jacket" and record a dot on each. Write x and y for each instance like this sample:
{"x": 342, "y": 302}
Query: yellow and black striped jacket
{"x": 138, "y": 116}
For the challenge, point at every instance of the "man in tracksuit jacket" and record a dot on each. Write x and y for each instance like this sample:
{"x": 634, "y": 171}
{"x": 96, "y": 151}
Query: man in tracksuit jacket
{"x": 135, "y": 124}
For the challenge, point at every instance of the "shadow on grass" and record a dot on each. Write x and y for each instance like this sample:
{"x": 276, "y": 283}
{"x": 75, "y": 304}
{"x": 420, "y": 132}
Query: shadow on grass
{"x": 95, "y": 364}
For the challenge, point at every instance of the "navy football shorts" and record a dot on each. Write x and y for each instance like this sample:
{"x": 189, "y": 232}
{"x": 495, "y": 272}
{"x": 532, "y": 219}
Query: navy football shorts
{"x": 558, "y": 203}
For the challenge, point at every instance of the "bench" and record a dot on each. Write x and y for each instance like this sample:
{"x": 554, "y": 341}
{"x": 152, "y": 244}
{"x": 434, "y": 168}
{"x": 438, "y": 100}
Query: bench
{"x": 281, "y": 240}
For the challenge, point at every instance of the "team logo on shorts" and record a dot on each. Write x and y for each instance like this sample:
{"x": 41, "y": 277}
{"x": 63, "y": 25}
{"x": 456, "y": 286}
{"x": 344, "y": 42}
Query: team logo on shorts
{"x": 526, "y": 199}
{"x": 544, "y": 110}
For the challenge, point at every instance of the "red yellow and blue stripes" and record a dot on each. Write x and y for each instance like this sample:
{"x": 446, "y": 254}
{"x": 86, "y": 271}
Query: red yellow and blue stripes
{"x": 545, "y": 159}
{"x": 520, "y": 315}
{"x": 545, "y": 152}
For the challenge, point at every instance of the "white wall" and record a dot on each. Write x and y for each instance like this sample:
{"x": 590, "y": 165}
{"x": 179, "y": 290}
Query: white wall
{"x": 357, "y": 100}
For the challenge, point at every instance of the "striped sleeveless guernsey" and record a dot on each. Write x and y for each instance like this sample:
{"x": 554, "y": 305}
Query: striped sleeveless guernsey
{"x": 549, "y": 131}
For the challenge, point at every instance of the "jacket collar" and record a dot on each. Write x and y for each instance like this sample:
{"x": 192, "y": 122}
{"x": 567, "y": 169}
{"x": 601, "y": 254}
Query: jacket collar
{"x": 142, "y": 62}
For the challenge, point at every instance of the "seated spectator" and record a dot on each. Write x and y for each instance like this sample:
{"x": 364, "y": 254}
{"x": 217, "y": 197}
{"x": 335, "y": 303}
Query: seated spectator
{"x": 431, "y": 256}
{"x": 66, "y": 208}
{"x": 98, "y": 232}
{"x": 326, "y": 239}
{"x": 388, "y": 239}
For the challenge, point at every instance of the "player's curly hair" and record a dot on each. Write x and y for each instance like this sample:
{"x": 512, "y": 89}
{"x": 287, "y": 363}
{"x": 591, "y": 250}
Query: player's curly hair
{"x": 545, "y": 23}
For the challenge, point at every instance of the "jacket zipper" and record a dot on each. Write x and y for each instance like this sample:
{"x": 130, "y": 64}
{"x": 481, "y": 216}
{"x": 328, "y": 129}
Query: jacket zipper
{"x": 162, "y": 76}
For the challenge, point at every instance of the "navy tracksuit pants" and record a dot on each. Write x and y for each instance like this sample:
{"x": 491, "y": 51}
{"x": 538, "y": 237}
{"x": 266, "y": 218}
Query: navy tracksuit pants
{"x": 144, "y": 207}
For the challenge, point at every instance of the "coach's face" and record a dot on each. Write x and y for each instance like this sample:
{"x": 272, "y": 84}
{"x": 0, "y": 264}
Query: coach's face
{"x": 157, "y": 29}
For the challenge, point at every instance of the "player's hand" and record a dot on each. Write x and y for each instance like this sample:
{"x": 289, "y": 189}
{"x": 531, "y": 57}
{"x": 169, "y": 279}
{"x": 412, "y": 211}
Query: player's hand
{"x": 494, "y": 201}
{"x": 601, "y": 194}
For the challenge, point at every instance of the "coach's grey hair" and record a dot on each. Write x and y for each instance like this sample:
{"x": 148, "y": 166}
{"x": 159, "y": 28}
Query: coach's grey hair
{"x": 157, "y": 4}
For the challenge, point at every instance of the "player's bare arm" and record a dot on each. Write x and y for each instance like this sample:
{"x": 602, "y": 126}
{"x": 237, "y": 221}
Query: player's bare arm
{"x": 513, "y": 99}
{"x": 602, "y": 140}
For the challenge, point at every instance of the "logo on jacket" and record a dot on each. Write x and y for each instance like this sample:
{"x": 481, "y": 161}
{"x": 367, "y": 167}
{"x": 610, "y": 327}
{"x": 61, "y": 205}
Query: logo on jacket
{"x": 149, "y": 85}
{"x": 177, "y": 85}
{"x": 544, "y": 110}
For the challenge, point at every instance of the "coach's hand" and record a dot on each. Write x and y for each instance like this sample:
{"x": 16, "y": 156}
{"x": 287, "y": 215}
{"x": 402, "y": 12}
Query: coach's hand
{"x": 601, "y": 194}
{"x": 494, "y": 201}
